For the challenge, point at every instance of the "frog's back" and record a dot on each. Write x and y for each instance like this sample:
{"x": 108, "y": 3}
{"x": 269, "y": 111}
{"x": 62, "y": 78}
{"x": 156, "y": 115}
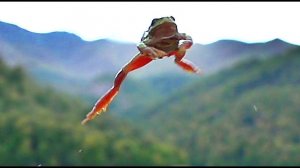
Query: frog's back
{"x": 158, "y": 34}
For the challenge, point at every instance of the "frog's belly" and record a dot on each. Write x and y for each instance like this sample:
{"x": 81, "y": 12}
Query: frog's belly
{"x": 167, "y": 45}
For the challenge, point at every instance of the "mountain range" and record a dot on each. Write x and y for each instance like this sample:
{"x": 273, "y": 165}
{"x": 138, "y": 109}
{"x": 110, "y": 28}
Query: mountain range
{"x": 65, "y": 61}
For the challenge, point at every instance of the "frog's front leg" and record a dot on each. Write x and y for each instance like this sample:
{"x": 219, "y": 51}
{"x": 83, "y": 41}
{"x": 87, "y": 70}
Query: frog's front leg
{"x": 138, "y": 61}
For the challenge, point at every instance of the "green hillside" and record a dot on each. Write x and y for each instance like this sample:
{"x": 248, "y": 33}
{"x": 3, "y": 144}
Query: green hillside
{"x": 39, "y": 126}
{"x": 246, "y": 115}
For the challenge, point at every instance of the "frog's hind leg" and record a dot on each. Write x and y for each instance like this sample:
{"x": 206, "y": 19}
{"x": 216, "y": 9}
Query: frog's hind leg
{"x": 185, "y": 64}
{"x": 102, "y": 104}
{"x": 188, "y": 66}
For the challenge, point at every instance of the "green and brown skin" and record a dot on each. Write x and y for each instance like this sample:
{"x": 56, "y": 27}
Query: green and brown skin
{"x": 162, "y": 40}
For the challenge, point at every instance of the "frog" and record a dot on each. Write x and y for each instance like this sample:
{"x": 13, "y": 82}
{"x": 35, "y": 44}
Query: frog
{"x": 163, "y": 35}
{"x": 161, "y": 40}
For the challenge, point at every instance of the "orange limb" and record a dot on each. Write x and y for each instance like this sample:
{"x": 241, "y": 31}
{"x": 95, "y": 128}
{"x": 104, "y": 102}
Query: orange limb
{"x": 184, "y": 63}
{"x": 188, "y": 66}
{"x": 137, "y": 62}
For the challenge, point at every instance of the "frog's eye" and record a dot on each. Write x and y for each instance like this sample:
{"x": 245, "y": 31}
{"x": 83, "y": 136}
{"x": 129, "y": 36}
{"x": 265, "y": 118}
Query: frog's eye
{"x": 172, "y": 18}
{"x": 154, "y": 21}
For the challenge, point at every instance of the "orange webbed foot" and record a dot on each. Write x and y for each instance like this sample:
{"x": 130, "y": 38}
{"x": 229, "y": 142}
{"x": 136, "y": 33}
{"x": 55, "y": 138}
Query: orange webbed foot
{"x": 92, "y": 115}
{"x": 199, "y": 72}
{"x": 101, "y": 105}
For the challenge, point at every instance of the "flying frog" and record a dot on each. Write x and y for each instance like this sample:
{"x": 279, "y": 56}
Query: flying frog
{"x": 162, "y": 39}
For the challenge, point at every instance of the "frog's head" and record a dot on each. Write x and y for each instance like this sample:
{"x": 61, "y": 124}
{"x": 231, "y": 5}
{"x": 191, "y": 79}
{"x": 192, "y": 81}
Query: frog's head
{"x": 163, "y": 27}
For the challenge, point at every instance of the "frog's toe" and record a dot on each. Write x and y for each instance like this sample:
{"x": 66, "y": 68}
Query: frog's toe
{"x": 83, "y": 122}
{"x": 199, "y": 72}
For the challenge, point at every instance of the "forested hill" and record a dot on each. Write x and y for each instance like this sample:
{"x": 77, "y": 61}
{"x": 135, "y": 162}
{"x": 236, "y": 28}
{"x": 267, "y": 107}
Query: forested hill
{"x": 246, "y": 115}
{"x": 41, "y": 127}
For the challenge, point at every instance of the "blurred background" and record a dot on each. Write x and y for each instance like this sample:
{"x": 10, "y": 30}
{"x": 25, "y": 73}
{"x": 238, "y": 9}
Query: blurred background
{"x": 244, "y": 110}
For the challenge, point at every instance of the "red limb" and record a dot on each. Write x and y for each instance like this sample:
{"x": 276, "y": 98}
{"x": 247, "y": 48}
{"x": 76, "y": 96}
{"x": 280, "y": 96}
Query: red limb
{"x": 184, "y": 63}
{"x": 137, "y": 62}
{"x": 187, "y": 66}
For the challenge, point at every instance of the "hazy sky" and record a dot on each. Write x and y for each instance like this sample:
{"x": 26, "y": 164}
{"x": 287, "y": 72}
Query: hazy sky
{"x": 206, "y": 22}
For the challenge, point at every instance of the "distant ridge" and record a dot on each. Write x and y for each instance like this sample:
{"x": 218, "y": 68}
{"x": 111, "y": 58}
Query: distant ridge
{"x": 65, "y": 56}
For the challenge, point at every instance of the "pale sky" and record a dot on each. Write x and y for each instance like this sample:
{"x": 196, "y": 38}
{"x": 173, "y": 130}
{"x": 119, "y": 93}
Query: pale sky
{"x": 206, "y": 22}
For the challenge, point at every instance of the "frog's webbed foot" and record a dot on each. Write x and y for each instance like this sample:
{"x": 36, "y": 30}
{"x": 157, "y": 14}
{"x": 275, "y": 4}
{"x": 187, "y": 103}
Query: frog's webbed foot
{"x": 101, "y": 105}
{"x": 92, "y": 115}
{"x": 199, "y": 72}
